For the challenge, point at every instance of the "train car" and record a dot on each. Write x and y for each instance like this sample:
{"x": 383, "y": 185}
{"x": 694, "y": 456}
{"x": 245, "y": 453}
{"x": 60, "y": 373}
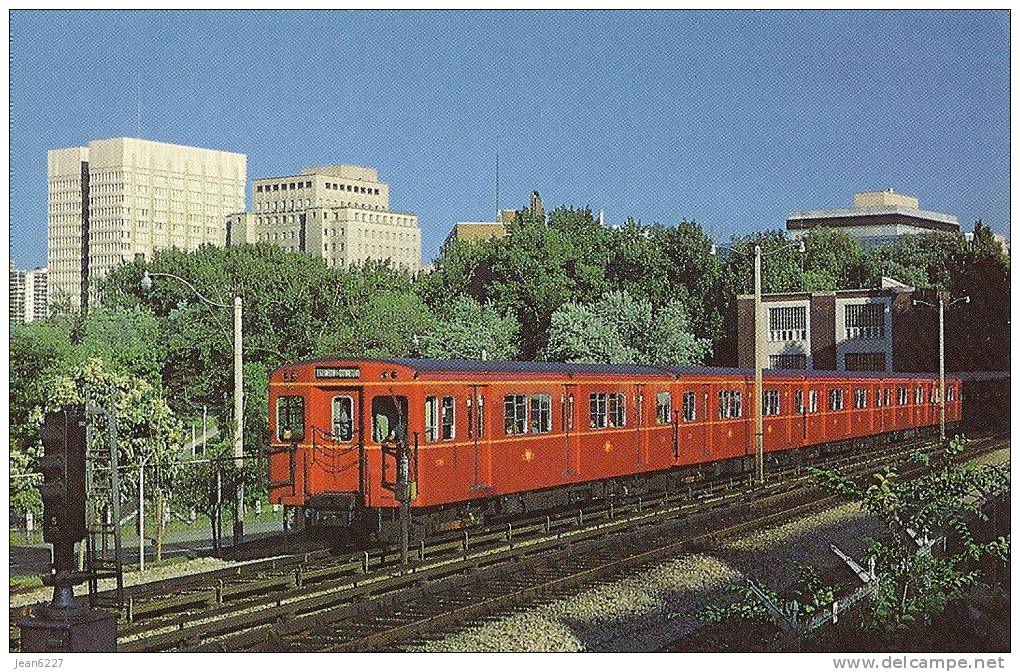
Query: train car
{"x": 483, "y": 438}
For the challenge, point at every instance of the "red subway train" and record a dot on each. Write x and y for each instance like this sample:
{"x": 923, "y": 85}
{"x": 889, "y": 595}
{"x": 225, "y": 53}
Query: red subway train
{"x": 482, "y": 438}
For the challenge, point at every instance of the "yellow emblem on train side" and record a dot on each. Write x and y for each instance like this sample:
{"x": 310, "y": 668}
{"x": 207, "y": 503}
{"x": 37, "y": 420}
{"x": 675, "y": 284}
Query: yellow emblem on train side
{"x": 528, "y": 455}
{"x": 608, "y": 446}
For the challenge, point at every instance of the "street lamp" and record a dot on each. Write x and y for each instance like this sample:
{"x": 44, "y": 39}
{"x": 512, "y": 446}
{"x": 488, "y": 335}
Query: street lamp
{"x": 146, "y": 285}
{"x": 942, "y": 307}
{"x": 759, "y": 354}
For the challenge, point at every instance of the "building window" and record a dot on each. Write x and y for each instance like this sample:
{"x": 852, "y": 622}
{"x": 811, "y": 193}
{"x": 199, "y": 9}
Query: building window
{"x": 597, "y": 410}
{"x": 788, "y": 361}
{"x": 770, "y": 402}
{"x": 690, "y": 407}
{"x": 788, "y": 324}
{"x": 864, "y": 361}
{"x": 541, "y": 413}
{"x": 864, "y": 321}
{"x": 860, "y": 398}
{"x": 290, "y": 418}
{"x": 515, "y": 414}
{"x": 836, "y": 399}
{"x": 662, "y": 407}
{"x": 617, "y": 409}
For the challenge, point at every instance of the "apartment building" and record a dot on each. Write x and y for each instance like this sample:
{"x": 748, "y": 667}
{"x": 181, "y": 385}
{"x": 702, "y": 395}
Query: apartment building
{"x": 338, "y": 212}
{"x": 120, "y": 197}
{"x": 28, "y": 295}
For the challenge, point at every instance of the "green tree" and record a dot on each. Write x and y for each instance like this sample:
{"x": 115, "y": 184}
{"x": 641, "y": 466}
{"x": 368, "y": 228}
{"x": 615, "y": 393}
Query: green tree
{"x": 466, "y": 328}
{"x": 832, "y": 260}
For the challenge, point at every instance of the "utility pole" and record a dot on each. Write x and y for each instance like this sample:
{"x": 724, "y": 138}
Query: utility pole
{"x": 141, "y": 516}
{"x": 759, "y": 355}
{"x": 942, "y": 369}
{"x": 238, "y": 422}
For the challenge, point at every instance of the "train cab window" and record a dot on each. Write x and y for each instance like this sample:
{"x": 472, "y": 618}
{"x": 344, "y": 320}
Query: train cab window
{"x": 597, "y": 410}
{"x": 541, "y": 413}
{"x": 439, "y": 418}
{"x": 798, "y": 401}
{"x": 663, "y": 405}
{"x": 515, "y": 414}
{"x": 836, "y": 399}
{"x": 770, "y": 402}
{"x": 290, "y": 418}
{"x": 389, "y": 419}
{"x": 690, "y": 407}
{"x": 860, "y": 398}
{"x": 813, "y": 401}
{"x": 901, "y": 396}
{"x": 617, "y": 407}
{"x": 343, "y": 419}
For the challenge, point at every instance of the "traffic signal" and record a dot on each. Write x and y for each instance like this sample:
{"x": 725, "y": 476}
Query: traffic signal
{"x": 63, "y": 468}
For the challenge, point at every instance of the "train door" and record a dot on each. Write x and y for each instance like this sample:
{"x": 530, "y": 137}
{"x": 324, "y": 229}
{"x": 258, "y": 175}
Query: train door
{"x": 335, "y": 462}
{"x": 481, "y": 457}
{"x": 568, "y": 420}
{"x": 640, "y": 424}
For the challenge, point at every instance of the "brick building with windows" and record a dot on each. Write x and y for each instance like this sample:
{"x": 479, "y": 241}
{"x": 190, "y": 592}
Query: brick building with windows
{"x": 852, "y": 330}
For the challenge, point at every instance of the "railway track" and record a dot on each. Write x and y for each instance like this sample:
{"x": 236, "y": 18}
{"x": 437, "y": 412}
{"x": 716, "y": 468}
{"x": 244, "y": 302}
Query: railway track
{"x": 371, "y": 602}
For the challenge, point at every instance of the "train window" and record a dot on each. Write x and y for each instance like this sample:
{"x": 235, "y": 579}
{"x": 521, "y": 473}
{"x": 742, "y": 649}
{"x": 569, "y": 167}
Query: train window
{"x": 389, "y": 418}
{"x": 729, "y": 404}
{"x": 724, "y": 404}
{"x": 798, "y": 401}
{"x": 690, "y": 407}
{"x": 448, "y": 408}
{"x": 343, "y": 419}
{"x": 950, "y": 393}
{"x": 813, "y": 401}
{"x": 515, "y": 414}
{"x": 290, "y": 418}
{"x": 663, "y": 404}
{"x": 770, "y": 402}
{"x": 878, "y": 397}
{"x": 431, "y": 418}
{"x": 541, "y": 413}
{"x": 860, "y": 398}
{"x": 901, "y": 396}
{"x": 480, "y": 416}
{"x": 934, "y": 397}
{"x": 736, "y": 409}
{"x": 836, "y": 399}
{"x": 617, "y": 407}
{"x": 918, "y": 395}
{"x": 597, "y": 409}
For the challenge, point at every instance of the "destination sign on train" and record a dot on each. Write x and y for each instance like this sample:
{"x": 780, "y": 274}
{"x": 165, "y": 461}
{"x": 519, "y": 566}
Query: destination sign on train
{"x": 337, "y": 372}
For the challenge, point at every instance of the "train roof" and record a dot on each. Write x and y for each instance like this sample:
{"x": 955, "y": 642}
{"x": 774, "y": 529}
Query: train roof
{"x": 422, "y": 365}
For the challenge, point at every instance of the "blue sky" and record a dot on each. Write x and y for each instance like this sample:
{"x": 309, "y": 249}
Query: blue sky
{"x": 730, "y": 118}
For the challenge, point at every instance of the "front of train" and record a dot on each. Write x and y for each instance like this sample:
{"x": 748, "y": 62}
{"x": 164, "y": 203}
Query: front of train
{"x": 332, "y": 424}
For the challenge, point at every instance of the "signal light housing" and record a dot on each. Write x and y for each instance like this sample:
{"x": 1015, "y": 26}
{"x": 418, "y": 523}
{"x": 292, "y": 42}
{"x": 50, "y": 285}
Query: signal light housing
{"x": 63, "y": 468}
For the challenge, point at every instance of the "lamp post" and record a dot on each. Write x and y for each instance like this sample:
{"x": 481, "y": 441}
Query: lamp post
{"x": 238, "y": 452}
{"x": 942, "y": 307}
{"x": 759, "y": 353}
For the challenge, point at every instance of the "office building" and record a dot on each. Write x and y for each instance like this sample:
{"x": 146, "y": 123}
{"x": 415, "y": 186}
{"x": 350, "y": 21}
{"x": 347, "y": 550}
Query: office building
{"x": 876, "y": 217}
{"x": 28, "y": 295}
{"x": 121, "y": 197}
{"x": 338, "y": 212}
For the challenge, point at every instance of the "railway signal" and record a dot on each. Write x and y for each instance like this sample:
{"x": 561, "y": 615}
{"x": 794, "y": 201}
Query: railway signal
{"x": 63, "y": 469}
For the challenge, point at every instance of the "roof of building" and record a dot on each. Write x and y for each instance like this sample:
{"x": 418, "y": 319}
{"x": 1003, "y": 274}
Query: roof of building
{"x": 914, "y": 216}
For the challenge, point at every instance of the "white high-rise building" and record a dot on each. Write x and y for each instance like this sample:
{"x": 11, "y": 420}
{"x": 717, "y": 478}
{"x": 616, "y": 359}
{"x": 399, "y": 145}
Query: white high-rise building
{"x": 121, "y": 197}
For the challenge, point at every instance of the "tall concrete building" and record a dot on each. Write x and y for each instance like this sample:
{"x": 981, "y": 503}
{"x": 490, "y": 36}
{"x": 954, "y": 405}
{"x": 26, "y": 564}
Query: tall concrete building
{"x": 120, "y": 197}
{"x": 340, "y": 213}
{"x": 28, "y": 295}
{"x": 877, "y": 217}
